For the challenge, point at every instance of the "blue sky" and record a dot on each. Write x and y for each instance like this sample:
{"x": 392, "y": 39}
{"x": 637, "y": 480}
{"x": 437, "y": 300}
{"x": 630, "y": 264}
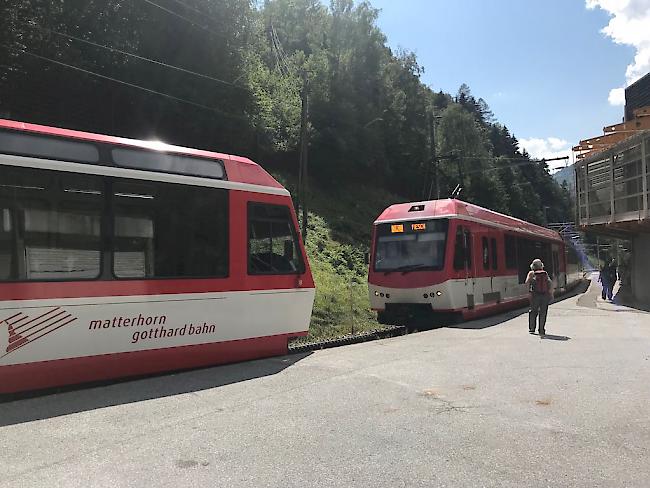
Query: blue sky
{"x": 545, "y": 68}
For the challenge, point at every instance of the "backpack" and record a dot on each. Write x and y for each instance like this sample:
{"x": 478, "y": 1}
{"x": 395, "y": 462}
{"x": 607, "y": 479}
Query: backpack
{"x": 539, "y": 283}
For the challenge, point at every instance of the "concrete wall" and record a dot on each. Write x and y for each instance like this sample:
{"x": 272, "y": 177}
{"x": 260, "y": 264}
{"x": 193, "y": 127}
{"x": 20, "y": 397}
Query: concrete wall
{"x": 641, "y": 268}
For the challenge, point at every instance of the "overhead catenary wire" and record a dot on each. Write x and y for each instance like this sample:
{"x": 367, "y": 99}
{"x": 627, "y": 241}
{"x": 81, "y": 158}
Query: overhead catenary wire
{"x": 126, "y": 53}
{"x": 182, "y": 17}
{"x": 508, "y": 166}
{"x": 518, "y": 162}
{"x": 189, "y": 7}
{"x": 280, "y": 55}
{"x": 493, "y": 159}
{"x": 539, "y": 160}
{"x": 133, "y": 85}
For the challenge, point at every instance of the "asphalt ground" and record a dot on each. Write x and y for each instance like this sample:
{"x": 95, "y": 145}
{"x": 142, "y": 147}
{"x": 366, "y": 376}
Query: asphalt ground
{"x": 479, "y": 405}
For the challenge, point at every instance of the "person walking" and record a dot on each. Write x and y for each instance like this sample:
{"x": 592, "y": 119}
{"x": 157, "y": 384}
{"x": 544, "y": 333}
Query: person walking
{"x": 603, "y": 277}
{"x": 540, "y": 289}
{"x": 612, "y": 279}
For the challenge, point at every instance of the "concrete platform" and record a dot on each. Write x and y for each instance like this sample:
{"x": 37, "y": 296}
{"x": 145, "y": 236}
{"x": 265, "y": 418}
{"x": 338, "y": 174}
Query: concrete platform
{"x": 484, "y": 404}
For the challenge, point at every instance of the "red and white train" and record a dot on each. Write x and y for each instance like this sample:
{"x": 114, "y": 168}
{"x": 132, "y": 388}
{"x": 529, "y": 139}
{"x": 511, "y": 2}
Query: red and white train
{"x": 451, "y": 259}
{"x": 121, "y": 257}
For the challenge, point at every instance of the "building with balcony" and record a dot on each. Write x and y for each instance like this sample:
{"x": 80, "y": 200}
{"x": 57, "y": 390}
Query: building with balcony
{"x": 612, "y": 182}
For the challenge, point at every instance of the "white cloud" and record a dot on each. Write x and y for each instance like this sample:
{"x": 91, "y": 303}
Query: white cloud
{"x": 617, "y": 97}
{"x": 630, "y": 25}
{"x": 556, "y": 143}
{"x": 551, "y": 147}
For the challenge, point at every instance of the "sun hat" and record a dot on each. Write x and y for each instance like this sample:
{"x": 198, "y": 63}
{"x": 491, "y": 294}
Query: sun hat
{"x": 536, "y": 265}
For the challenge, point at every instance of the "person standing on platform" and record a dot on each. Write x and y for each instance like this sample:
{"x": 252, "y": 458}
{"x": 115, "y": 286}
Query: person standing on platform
{"x": 540, "y": 287}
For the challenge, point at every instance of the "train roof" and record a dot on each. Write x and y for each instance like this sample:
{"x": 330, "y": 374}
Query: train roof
{"x": 452, "y": 208}
{"x": 238, "y": 169}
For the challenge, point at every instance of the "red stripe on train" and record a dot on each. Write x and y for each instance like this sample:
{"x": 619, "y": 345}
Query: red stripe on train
{"x": 47, "y": 374}
{"x": 91, "y": 289}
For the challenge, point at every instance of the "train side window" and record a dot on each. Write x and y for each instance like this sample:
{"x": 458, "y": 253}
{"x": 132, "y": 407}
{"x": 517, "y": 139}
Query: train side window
{"x": 543, "y": 252}
{"x": 168, "y": 163}
{"x": 53, "y": 232}
{"x": 48, "y": 147}
{"x": 486, "y": 253}
{"x": 526, "y": 252}
{"x": 272, "y": 241}
{"x": 7, "y": 248}
{"x": 495, "y": 262}
{"x": 511, "y": 252}
{"x": 165, "y": 230}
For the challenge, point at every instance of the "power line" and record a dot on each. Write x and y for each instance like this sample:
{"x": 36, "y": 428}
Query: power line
{"x": 462, "y": 174}
{"x": 280, "y": 55}
{"x": 142, "y": 58}
{"x": 494, "y": 160}
{"x": 502, "y": 158}
{"x": 175, "y": 14}
{"x": 507, "y": 166}
{"x": 132, "y": 85}
{"x": 189, "y": 7}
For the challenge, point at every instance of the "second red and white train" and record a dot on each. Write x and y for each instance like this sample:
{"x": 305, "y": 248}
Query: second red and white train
{"x": 449, "y": 258}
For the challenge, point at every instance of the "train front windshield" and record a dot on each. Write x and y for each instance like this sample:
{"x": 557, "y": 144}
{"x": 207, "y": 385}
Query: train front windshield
{"x": 410, "y": 246}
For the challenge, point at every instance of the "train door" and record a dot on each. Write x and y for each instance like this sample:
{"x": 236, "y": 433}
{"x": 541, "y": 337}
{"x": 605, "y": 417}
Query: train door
{"x": 470, "y": 267}
{"x": 496, "y": 284}
{"x": 486, "y": 269}
{"x": 463, "y": 266}
{"x": 482, "y": 285}
{"x": 559, "y": 278}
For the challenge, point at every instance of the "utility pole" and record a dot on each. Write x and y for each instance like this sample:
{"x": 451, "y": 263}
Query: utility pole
{"x": 460, "y": 172}
{"x": 302, "y": 169}
{"x": 434, "y": 157}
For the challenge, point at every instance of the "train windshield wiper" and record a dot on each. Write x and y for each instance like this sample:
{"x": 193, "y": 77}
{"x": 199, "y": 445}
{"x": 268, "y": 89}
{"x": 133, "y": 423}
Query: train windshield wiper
{"x": 410, "y": 267}
{"x": 406, "y": 268}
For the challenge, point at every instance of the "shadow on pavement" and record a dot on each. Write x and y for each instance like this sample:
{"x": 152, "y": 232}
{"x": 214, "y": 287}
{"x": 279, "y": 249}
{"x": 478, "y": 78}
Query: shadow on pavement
{"x": 555, "y": 337}
{"x": 43, "y": 404}
{"x": 625, "y": 298}
{"x": 484, "y": 323}
{"x": 579, "y": 289}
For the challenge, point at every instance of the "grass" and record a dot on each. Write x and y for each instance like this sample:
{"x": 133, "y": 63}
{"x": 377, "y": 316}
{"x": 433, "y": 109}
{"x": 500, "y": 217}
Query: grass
{"x": 338, "y": 236}
{"x": 341, "y": 306}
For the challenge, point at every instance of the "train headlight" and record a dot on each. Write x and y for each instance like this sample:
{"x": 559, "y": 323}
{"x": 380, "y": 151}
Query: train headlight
{"x": 439, "y": 293}
{"x": 376, "y": 293}
{"x": 387, "y": 295}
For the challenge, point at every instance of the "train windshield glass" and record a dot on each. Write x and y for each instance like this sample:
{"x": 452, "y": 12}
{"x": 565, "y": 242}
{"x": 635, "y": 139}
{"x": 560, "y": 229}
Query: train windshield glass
{"x": 410, "y": 246}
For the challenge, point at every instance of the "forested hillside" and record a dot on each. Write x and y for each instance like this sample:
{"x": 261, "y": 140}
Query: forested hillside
{"x": 229, "y": 75}
{"x": 371, "y": 118}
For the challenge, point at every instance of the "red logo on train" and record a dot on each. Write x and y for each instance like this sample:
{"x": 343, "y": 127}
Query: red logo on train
{"x": 24, "y": 329}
